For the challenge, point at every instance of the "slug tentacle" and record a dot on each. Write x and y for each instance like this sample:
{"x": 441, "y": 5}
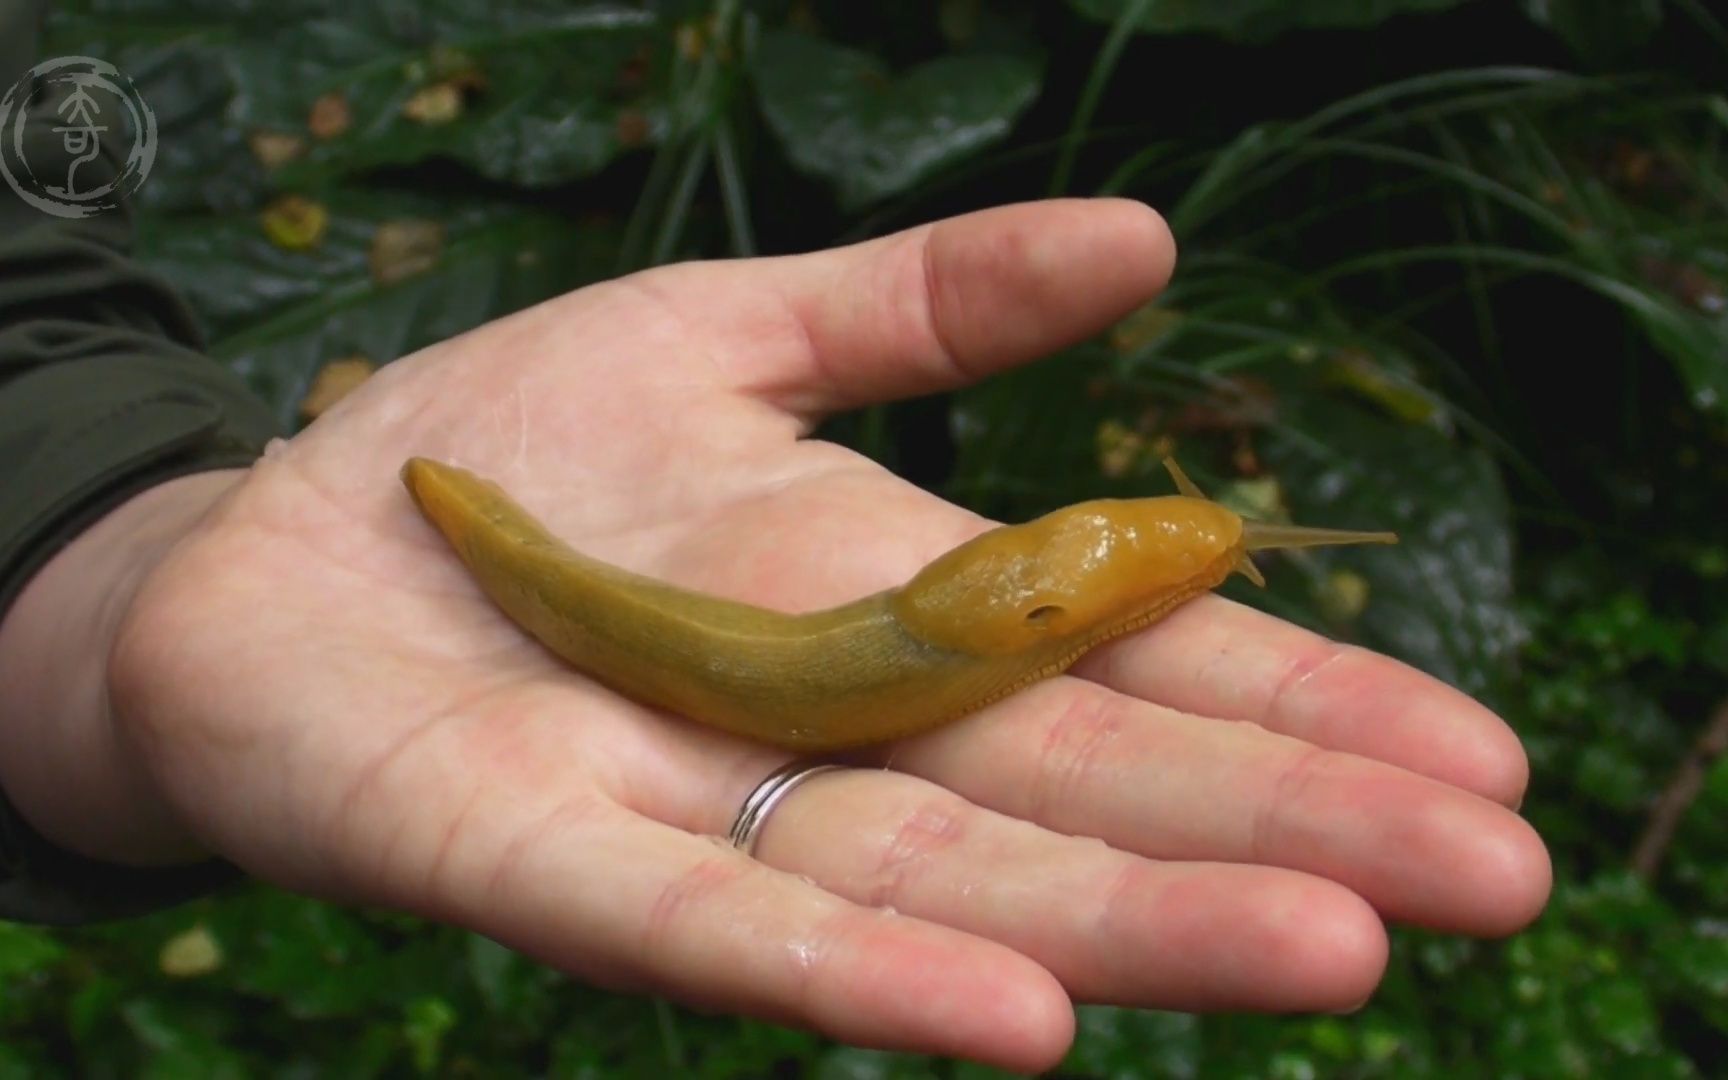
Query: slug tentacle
{"x": 1012, "y": 606}
{"x": 1267, "y": 536}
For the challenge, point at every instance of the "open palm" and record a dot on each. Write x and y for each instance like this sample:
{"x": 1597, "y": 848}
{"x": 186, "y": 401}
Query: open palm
{"x": 328, "y": 700}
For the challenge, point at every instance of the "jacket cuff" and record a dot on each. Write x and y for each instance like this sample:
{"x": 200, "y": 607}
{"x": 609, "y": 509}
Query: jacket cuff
{"x": 80, "y": 439}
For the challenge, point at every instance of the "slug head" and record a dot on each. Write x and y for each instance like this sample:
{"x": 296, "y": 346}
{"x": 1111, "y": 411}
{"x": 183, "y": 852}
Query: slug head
{"x": 1091, "y": 571}
{"x": 1079, "y": 574}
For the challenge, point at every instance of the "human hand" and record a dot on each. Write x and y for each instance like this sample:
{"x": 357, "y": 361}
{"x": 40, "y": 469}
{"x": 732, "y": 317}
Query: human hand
{"x": 319, "y": 692}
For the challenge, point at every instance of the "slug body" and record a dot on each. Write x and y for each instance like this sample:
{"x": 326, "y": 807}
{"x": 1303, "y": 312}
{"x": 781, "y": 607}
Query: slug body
{"x": 1012, "y": 606}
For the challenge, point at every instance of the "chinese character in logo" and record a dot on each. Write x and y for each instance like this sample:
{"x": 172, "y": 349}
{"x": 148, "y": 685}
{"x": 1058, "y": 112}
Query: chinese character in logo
{"x": 93, "y": 103}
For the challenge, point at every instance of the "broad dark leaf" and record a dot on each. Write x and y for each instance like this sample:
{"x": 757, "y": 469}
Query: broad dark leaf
{"x": 871, "y": 133}
{"x": 278, "y": 316}
{"x": 25, "y": 949}
{"x": 1442, "y": 597}
{"x": 529, "y": 92}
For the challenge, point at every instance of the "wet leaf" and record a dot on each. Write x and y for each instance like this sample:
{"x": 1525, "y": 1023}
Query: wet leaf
{"x": 180, "y": 1042}
{"x": 519, "y": 91}
{"x": 1442, "y": 597}
{"x": 1028, "y": 440}
{"x": 843, "y": 116}
{"x": 24, "y": 950}
{"x": 280, "y": 316}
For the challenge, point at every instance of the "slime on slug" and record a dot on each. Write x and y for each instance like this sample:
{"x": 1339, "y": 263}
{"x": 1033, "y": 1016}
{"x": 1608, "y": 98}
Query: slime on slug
{"x": 1010, "y": 607}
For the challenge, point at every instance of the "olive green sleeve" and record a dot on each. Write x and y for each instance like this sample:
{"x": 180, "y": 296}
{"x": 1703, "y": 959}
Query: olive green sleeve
{"x": 104, "y": 392}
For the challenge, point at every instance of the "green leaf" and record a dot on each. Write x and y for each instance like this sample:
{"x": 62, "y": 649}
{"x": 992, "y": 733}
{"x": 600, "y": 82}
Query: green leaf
{"x": 427, "y": 1021}
{"x": 93, "y": 1005}
{"x": 279, "y": 316}
{"x": 16, "y": 1065}
{"x": 1599, "y": 33}
{"x": 546, "y": 91}
{"x": 1700, "y": 959}
{"x": 183, "y": 1040}
{"x": 542, "y": 93}
{"x": 1621, "y": 1014}
{"x": 1255, "y": 20}
{"x": 511, "y": 986}
{"x": 316, "y": 961}
{"x": 844, "y": 117}
{"x": 1126, "y": 1042}
{"x": 1442, "y": 597}
{"x": 1026, "y": 439}
{"x": 24, "y": 950}
{"x": 1609, "y": 774}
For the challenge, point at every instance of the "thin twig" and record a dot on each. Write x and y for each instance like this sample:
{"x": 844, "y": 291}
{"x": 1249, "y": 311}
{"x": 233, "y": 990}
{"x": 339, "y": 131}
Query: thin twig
{"x": 1671, "y": 806}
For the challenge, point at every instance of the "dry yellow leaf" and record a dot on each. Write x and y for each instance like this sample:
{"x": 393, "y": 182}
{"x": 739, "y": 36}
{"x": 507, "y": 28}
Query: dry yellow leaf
{"x": 274, "y": 149}
{"x": 190, "y": 953}
{"x": 335, "y": 381}
{"x": 439, "y": 103}
{"x": 295, "y": 222}
{"x": 401, "y": 249}
{"x": 632, "y": 128}
{"x": 330, "y": 116}
{"x": 1344, "y": 595}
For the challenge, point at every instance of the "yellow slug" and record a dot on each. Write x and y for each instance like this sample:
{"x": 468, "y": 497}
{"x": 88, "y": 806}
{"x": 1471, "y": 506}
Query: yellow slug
{"x": 1009, "y": 607}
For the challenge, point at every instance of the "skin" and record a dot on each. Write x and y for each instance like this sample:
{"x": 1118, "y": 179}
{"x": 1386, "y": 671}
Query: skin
{"x": 1010, "y": 607}
{"x": 1221, "y": 811}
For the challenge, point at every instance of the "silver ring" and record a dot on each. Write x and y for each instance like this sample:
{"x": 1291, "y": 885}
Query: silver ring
{"x": 766, "y": 797}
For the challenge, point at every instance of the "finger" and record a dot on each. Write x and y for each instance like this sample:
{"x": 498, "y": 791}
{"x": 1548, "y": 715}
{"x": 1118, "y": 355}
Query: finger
{"x": 1214, "y": 657}
{"x": 1115, "y": 928}
{"x": 1079, "y": 758}
{"x": 565, "y": 874}
{"x": 713, "y": 928}
{"x": 938, "y": 306}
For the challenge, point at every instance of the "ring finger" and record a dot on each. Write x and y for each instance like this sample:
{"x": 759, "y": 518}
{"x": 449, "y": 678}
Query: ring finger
{"x": 1113, "y": 926}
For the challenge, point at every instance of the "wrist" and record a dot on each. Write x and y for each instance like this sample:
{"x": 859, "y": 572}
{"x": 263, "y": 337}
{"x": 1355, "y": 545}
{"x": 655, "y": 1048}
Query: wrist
{"x": 65, "y": 764}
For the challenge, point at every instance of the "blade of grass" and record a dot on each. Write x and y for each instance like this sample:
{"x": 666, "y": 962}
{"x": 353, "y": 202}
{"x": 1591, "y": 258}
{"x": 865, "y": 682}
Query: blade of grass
{"x": 678, "y": 166}
{"x": 1103, "y": 65}
{"x": 677, "y": 209}
{"x": 734, "y": 196}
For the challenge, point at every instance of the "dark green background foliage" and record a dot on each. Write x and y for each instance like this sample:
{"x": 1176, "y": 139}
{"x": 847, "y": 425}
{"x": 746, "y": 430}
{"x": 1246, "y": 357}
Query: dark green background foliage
{"x": 1458, "y": 269}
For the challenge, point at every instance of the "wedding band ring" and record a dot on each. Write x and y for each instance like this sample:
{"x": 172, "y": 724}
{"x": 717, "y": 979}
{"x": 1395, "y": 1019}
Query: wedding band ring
{"x": 761, "y": 802}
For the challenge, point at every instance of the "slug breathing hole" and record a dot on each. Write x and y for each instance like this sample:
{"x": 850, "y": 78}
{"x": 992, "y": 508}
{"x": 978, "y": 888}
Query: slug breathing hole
{"x": 1042, "y": 614}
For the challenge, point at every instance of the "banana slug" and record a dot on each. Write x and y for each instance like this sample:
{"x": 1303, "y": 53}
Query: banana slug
{"x": 1012, "y": 606}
